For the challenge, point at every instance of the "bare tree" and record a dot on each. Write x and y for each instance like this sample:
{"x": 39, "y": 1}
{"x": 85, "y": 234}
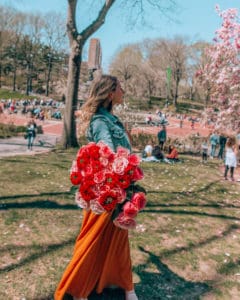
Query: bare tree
{"x": 54, "y": 35}
{"x": 13, "y": 50}
{"x": 77, "y": 40}
{"x": 6, "y": 19}
{"x": 175, "y": 55}
{"x": 126, "y": 65}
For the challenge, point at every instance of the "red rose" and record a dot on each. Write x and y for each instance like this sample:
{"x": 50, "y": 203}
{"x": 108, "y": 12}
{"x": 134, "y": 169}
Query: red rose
{"x": 137, "y": 174}
{"x": 83, "y": 157}
{"x": 104, "y": 150}
{"x": 75, "y": 175}
{"x": 108, "y": 200}
{"x": 75, "y": 178}
{"x": 111, "y": 179}
{"x": 123, "y": 181}
{"x": 87, "y": 190}
{"x": 124, "y": 222}
{"x": 139, "y": 200}
{"x": 133, "y": 159}
{"x": 130, "y": 210}
{"x": 93, "y": 151}
{"x": 96, "y": 166}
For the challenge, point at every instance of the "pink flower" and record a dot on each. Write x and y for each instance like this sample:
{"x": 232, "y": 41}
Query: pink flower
{"x": 122, "y": 152}
{"x": 130, "y": 210}
{"x": 139, "y": 200}
{"x": 119, "y": 164}
{"x": 96, "y": 207}
{"x": 99, "y": 177}
{"x": 105, "y": 151}
{"x": 124, "y": 222}
{"x": 81, "y": 202}
{"x": 120, "y": 194}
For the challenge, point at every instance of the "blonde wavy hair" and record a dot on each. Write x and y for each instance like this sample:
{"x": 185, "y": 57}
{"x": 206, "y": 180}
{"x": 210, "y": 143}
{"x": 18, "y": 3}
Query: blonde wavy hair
{"x": 98, "y": 97}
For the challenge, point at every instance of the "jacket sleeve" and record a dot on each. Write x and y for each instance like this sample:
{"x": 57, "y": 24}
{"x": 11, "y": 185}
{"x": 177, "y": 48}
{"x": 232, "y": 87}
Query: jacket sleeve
{"x": 101, "y": 132}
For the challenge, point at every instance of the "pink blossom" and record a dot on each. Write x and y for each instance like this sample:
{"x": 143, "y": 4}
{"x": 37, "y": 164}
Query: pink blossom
{"x": 124, "y": 222}
{"x": 130, "y": 210}
{"x": 81, "y": 202}
{"x": 99, "y": 177}
{"x": 139, "y": 200}
{"x": 119, "y": 164}
{"x": 96, "y": 207}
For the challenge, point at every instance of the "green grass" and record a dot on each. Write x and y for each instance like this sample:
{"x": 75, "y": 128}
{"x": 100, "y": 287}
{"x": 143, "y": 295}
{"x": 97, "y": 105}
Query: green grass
{"x": 186, "y": 245}
{"x": 7, "y": 130}
{"x": 6, "y": 94}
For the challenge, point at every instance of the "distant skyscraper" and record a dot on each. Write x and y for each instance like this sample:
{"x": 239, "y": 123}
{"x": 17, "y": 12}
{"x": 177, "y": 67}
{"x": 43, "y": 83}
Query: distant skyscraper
{"x": 94, "y": 55}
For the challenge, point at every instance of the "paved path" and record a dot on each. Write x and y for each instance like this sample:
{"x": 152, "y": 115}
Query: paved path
{"x": 18, "y": 145}
{"x": 52, "y": 132}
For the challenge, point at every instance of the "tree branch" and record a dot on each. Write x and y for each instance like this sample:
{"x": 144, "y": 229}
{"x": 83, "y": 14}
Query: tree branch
{"x": 96, "y": 24}
{"x": 71, "y": 24}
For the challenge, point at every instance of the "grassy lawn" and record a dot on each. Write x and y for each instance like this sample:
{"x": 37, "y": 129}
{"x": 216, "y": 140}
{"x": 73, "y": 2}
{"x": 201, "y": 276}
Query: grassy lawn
{"x": 185, "y": 247}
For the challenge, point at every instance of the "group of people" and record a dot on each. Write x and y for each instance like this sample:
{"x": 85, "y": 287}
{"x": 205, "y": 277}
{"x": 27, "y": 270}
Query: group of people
{"x": 228, "y": 150}
{"x": 153, "y": 152}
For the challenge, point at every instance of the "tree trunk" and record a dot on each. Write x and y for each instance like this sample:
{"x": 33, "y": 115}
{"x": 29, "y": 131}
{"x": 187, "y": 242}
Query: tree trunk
{"x": 69, "y": 138}
{"x": 176, "y": 94}
{"x": 14, "y": 79}
{"x": 48, "y": 77}
{"x": 0, "y": 75}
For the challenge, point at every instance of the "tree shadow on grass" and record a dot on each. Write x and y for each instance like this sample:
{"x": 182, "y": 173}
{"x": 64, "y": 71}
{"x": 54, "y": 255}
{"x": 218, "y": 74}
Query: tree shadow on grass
{"x": 187, "y": 193}
{"x": 42, "y": 204}
{"x": 165, "y": 284}
{"x": 191, "y": 213}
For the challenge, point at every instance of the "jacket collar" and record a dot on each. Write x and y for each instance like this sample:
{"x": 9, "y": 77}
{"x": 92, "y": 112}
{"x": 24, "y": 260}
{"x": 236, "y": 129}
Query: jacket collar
{"x": 105, "y": 112}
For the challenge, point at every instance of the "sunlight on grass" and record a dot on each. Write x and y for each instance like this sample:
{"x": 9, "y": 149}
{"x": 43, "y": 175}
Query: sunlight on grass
{"x": 186, "y": 242}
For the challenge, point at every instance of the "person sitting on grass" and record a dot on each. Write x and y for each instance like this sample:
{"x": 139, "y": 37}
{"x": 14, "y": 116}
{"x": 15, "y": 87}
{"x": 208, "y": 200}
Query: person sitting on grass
{"x": 153, "y": 153}
{"x": 172, "y": 154}
{"x": 147, "y": 152}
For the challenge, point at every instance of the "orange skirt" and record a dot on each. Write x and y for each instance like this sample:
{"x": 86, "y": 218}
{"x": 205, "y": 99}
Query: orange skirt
{"x": 101, "y": 258}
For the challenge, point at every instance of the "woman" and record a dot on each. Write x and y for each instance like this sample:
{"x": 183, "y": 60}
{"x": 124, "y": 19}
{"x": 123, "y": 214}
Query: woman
{"x": 172, "y": 153}
{"x": 230, "y": 157}
{"x": 101, "y": 255}
{"x": 31, "y": 133}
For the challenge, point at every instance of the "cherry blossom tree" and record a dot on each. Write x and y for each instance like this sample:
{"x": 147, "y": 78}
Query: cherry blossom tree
{"x": 222, "y": 72}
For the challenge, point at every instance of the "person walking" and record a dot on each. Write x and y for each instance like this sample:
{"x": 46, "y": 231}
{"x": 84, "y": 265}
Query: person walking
{"x": 214, "y": 140}
{"x": 31, "y": 133}
{"x": 101, "y": 256}
{"x": 204, "y": 151}
{"x": 162, "y": 137}
{"x": 230, "y": 158}
{"x": 222, "y": 143}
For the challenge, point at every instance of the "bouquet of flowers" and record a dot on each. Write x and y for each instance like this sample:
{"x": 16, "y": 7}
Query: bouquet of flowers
{"x": 107, "y": 182}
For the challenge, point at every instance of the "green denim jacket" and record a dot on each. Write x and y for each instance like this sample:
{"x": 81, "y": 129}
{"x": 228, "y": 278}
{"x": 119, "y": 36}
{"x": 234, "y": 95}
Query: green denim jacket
{"x": 107, "y": 128}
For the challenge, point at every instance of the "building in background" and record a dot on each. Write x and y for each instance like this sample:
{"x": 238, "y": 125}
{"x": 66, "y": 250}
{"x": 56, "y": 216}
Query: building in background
{"x": 94, "y": 57}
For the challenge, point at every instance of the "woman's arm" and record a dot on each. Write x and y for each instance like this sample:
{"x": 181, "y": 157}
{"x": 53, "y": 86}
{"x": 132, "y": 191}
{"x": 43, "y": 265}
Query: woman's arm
{"x": 101, "y": 132}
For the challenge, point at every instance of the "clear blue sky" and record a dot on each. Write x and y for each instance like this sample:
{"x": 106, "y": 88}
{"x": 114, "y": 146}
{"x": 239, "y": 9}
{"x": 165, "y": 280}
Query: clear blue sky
{"x": 196, "y": 19}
